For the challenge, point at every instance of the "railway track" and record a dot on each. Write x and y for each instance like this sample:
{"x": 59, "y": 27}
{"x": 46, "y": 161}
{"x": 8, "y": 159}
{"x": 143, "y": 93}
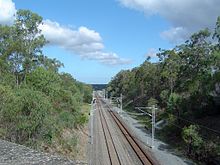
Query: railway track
{"x": 143, "y": 156}
{"x": 112, "y": 152}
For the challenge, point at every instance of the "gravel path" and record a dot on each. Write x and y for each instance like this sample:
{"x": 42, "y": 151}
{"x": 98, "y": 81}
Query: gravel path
{"x": 14, "y": 154}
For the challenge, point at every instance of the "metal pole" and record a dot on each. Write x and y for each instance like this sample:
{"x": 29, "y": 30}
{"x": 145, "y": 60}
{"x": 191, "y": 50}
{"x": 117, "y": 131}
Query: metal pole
{"x": 92, "y": 111}
{"x": 92, "y": 123}
{"x": 106, "y": 93}
{"x": 121, "y": 103}
{"x": 153, "y": 125}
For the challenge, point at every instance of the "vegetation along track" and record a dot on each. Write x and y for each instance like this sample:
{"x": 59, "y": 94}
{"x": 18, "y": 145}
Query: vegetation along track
{"x": 141, "y": 154}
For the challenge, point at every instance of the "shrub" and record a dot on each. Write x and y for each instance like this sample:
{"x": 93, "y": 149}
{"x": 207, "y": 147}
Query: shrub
{"x": 66, "y": 119}
{"x": 27, "y": 114}
{"x": 164, "y": 95}
{"x": 87, "y": 97}
{"x": 65, "y": 101}
{"x": 152, "y": 102}
{"x": 197, "y": 148}
{"x": 192, "y": 138}
{"x": 44, "y": 80}
{"x": 6, "y": 96}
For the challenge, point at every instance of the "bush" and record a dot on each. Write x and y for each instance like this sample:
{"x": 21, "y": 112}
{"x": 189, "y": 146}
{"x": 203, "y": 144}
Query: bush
{"x": 66, "y": 119}
{"x": 87, "y": 97}
{"x": 82, "y": 119}
{"x": 64, "y": 100}
{"x": 7, "y": 79}
{"x": 6, "y": 96}
{"x": 191, "y": 137}
{"x": 197, "y": 148}
{"x": 174, "y": 101}
{"x": 26, "y": 115}
{"x": 152, "y": 102}
{"x": 44, "y": 80}
{"x": 164, "y": 95}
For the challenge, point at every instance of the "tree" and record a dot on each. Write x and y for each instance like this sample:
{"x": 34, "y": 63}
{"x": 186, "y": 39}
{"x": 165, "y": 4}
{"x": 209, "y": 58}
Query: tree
{"x": 174, "y": 105}
{"x": 44, "y": 80}
{"x": 5, "y": 36}
{"x": 49, "y": 64}
{"x": 152, "y": 102}
{"x": 37, "y": 103}
{"x": 216, "y": 53}
{"x": 25, "y": 115}
{"x": 164, "y": 96}
{"x": 170, "y": 63}
{"x": 25, "y": 43}
{"x": 191, "y": 137}
{"x": 217, "y": 31}
{"x": 185, "y": 82}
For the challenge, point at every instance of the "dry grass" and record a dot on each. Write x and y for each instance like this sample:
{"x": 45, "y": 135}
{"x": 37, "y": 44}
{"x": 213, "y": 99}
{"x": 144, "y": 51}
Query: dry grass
{"x": 71, "y": 143}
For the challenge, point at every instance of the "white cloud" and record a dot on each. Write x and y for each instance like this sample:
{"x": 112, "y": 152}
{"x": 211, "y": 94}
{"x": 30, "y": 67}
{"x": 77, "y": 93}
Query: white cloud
{"x": 7, "y": 12}
{"x": 185, "y": 16}
{"x": 152, "y": 52}
{"x": 82, "y": 41}
{"x": 175, "y": 35}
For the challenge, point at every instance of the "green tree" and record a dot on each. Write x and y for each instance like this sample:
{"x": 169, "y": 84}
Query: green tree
{"x": 24, "y": 116}
{"x": 24, "y": 44}
{"x": 170, "y": 67}
{"x": 217, "y": 31}
{"x": 48, "y": 64}
{"x": 192, "y": 138}
{"x": 44, "y": 80}
{"x": 164, "y": 95}
{"x": 152, "y": 102}
{"x": 174, "y": 105}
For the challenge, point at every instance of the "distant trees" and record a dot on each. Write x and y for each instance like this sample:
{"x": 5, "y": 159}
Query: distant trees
{"x": 190, "y": 70}
{"x": 37, "y": 102}
{"x": 184, "y": 82}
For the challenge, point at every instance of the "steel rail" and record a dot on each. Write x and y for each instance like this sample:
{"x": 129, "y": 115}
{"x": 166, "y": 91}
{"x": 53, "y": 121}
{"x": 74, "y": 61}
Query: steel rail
{"x": 111, "y": 148}
{"x": 142, "y": 155}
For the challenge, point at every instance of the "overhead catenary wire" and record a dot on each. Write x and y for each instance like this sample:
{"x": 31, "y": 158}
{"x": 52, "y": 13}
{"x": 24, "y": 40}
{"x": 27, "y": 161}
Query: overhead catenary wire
{"x": 177, "y": 126}
{"x": 202, "y": 126}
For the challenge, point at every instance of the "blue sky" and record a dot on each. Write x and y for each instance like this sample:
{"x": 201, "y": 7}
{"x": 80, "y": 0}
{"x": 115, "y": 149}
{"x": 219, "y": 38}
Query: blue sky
{"x": 113, "y": 34}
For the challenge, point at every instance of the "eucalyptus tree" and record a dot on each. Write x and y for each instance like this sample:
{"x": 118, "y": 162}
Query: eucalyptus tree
{"x": 216, "y": 53}
{"x": 25, "y": 43}
{"x": 170, "y": 66}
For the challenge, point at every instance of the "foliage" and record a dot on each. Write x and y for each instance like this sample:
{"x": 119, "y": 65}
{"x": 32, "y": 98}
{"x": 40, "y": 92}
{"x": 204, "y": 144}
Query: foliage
{"x": 37, "y": 102}
{"x": 87, "y": 96}
{"x": 185, "y": 81}
{"x": 44, "y": 80}
{"x": 174, "y": 101}
{"x": 6, "y": 96}
{"x": 152, "y": 102}
{"x": 191, "y": 137}
{"x": 26, "y": 113}
{"x": 196, "y": 147}
{"x": 164, "y": 95}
